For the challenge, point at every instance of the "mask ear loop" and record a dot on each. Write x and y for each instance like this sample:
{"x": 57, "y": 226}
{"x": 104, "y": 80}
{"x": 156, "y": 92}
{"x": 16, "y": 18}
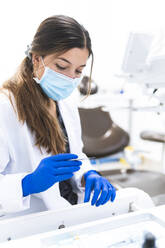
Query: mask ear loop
{"x": 43, "y": 62}
{"x": 36, "y": 78}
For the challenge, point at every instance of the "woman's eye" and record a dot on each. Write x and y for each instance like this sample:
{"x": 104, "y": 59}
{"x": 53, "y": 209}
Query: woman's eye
{"x": 60, "y": 67}
{"x": 78, "y": 72}
{"x": 64, "y": 68}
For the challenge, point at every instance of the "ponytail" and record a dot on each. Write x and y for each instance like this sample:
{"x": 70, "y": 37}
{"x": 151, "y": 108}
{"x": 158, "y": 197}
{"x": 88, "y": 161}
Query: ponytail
{"x": 32, "y": 107}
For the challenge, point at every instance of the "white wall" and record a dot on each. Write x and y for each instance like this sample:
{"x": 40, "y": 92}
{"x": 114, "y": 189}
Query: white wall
{"x": 19, "y": 20}
{"x": 108, "y": 21}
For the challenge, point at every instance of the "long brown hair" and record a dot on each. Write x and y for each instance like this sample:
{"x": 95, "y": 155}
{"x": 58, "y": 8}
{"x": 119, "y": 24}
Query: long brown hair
{"x": 55, "y": 34}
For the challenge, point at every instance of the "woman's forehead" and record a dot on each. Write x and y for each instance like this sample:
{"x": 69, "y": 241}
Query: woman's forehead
{"x": 72, "y": 56}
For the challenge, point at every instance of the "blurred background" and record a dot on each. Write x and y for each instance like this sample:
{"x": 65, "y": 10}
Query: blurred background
{"x": 109, "y": 23}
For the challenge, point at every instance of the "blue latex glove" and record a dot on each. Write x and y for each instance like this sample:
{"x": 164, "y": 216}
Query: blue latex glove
{"x": 101, "y": 186}
{"x": 52, "y": 169}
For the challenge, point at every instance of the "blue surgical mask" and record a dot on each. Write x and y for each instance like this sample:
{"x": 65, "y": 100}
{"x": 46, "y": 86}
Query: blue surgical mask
{"x": 56, "y": 85}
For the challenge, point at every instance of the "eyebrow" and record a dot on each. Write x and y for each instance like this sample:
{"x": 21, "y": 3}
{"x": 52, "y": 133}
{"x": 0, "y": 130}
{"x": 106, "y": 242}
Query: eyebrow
{"x": 70, "y": 62}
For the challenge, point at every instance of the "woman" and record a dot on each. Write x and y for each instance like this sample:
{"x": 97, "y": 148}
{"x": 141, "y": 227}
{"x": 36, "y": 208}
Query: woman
{"x": 40, "y": 132}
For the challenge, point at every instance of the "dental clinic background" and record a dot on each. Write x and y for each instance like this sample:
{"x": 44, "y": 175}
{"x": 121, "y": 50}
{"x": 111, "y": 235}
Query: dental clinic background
{"x": 109, "y": 23}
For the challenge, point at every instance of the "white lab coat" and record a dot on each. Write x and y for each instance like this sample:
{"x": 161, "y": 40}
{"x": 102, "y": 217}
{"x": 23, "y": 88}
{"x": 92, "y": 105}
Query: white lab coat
{"x": 19, "y": 156}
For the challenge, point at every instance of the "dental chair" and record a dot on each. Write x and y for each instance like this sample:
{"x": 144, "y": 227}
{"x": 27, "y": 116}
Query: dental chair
{"x": 100, "y": 135}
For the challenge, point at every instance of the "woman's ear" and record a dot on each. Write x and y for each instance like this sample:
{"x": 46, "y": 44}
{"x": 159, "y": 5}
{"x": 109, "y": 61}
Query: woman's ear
{"x": 35, "y": 59}
{"x": 38, "y": 66}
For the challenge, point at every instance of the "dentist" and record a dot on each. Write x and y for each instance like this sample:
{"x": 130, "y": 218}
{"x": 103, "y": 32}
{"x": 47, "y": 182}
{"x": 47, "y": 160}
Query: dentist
{"x": 40, "y": 133}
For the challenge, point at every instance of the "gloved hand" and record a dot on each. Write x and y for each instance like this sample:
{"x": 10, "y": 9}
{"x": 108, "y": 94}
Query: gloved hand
{"x": 52, "y": 169}
{"x": 93, "y": 181}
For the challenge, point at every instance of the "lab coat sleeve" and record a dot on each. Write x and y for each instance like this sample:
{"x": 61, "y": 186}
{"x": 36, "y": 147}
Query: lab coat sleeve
{"x": 11, "y": 198}
{"x": 77, "y": 178}
{"x": 78, "y": 149}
